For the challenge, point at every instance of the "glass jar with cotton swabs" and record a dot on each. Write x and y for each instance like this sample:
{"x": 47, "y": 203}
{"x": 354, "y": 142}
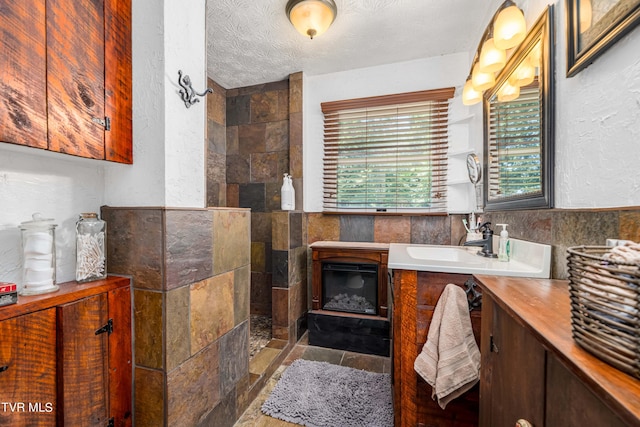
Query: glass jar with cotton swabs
{"x": 91, "y": 239}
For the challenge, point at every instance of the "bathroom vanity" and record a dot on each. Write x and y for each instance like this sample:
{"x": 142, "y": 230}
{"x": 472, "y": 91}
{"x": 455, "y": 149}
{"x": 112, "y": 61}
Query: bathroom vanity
{"x": 532, "y": 369}
{"x": 414, "y": 296}
{"x": 420, "y": 274}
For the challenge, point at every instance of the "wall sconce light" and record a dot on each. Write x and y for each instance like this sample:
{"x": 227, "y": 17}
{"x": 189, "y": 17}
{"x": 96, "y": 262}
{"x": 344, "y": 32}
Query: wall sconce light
{"x": 506, "y": 30}
{"x": 470, "y": 96}
{"x": 509, "y": 28}
{"x": 492, "y": 59}
{"x": 311, "y": 17}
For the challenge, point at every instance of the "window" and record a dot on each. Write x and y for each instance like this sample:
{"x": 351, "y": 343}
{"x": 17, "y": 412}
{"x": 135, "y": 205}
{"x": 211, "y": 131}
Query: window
{"x": 388, "y": 153}
{"x": 514, "y": 145}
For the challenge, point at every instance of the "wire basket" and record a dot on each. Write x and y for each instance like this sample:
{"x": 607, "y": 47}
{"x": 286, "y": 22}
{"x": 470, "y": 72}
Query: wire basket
{"x": 605, "y": 305}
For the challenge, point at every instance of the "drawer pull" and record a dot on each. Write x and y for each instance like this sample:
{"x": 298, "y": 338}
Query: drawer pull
{"x": 4, "y": 368}
{"x": 493, "y": 348}
{"x": 523, "y": 423}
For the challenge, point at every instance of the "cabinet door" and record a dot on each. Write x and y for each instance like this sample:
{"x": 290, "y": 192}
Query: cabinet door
{"x": 23, "y": 90}
{"x": 82, "y": 362}
{"x": 117, "y": 65}
{"x": 571, "y": 404}
{"x": 120, "y": 357}
{"x": 28, "y": 370}
{"x": 75, "y": 76}
{"x": 513, "y": 371}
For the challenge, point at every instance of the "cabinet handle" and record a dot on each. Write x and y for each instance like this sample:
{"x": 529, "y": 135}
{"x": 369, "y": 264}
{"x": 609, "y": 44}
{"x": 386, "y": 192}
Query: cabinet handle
{"x": 4, "y": 368}
{"x": 493, "y": 348}
{"x": 523, "y": 423}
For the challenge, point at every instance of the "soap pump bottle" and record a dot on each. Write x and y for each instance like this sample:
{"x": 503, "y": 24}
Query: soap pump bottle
{"x": 504, "y": 248}
{"x": 286, "y": 194}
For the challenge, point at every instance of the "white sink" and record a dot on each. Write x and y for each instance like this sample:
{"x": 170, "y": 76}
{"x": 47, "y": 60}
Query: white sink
{"x": 527, "y": 259}
{"x": 448, "y": 254}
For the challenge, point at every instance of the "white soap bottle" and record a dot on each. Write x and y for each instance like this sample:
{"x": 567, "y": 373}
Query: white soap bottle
{"x": 504, "y": 247}
{"x": 293, "y": 192}
{"x": 286, "y": 196}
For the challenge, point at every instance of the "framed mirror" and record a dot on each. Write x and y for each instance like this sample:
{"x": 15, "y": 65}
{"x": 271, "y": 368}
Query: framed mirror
{"x": 519, "y": 125}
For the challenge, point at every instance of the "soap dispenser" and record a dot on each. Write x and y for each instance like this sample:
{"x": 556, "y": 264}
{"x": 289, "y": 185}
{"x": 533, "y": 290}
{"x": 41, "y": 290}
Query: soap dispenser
{"x": 504, "y": 248}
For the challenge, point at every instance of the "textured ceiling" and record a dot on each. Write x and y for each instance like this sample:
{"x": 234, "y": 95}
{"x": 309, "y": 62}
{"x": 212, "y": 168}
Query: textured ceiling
{"x": 251, "y": 42}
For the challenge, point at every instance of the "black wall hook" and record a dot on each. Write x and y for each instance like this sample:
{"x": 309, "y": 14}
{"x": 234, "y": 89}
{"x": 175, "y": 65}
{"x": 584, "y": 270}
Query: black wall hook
{"x": 187, "y": 93}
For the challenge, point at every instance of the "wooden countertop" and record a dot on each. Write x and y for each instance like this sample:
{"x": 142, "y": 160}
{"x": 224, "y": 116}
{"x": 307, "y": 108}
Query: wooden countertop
{"x": 69, "y": 291}
{"x": 542, "y": 306}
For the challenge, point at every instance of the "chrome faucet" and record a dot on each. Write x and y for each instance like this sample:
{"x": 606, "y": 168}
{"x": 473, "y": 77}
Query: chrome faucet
{"x": 486, "y": 243}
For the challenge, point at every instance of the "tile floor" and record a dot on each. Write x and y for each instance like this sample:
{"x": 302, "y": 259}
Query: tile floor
{"x": 260, "y": 333}
{"x": 253, "y": 417}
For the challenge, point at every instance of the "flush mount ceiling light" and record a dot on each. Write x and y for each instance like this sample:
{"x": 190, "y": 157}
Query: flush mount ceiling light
{"x": 311, "y": 17}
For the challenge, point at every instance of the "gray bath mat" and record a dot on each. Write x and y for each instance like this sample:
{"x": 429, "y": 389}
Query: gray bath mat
{"x": 319, "y": 394}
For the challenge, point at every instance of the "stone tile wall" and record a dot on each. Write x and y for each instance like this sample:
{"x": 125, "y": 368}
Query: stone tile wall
{"x": 289, "y": 290}
{"x": 432, "y": 229}
{"x": 565, "y": 228}
{"x": 190, "y": 270}
{"x": 557, "y": 227}
{"x": 257, "y": 157}
{"x": 264, "y": 141}
{"x": 216, "y": 145}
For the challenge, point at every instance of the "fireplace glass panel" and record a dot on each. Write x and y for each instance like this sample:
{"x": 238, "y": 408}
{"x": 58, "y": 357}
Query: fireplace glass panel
{"x": 350, "y": 287}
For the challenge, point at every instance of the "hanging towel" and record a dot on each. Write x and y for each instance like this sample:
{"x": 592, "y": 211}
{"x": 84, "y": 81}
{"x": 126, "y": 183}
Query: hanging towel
{"x": 450, "y": 359}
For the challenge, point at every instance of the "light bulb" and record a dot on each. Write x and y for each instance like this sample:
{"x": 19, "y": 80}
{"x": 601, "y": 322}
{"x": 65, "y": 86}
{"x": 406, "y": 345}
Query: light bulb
{"x": 524, "y": 74}
{"x": 470, "y": 96}
{"x": 482, "y": 81}
{"x": 510, "y": 28}
{"x": 508, "y": 92}
{"x": 536, "y": 55}
{"x": 492, "y": 59}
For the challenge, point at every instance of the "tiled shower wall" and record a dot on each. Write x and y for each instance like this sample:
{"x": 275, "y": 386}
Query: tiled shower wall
{"x": 190, "y": 270}
{"x": 264, "y": 141}
{"x": 559, "y": 228}
{"x": 290, "y": 290}
{"x": 257, "y": 158}
{"x": 216, "y": 146}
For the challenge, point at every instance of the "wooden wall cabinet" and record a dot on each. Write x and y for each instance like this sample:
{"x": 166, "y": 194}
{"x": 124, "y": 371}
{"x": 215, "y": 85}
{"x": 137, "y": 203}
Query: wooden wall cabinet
{"x": 65, "y": 76}
{"x": 415, "y": 294}
{"x": 532, "y": 369}
{"x": 66, "y": 356}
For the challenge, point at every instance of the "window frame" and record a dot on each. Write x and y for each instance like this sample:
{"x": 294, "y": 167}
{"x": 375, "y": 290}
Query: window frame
{"x": 442, "y": 100}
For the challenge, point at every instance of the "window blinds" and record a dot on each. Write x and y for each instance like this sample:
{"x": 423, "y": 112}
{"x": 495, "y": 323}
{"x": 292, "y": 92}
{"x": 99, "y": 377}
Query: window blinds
{"x": 387, "y": 153}
{"x": 514, "y": 145}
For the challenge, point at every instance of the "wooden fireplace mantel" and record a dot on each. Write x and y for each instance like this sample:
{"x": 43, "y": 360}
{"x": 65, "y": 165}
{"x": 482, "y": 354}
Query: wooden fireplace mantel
{"x": 329, "y": 251}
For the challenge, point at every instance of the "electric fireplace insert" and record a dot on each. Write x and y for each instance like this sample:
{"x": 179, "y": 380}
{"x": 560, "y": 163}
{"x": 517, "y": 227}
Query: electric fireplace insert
{"x": 350, "y": 287}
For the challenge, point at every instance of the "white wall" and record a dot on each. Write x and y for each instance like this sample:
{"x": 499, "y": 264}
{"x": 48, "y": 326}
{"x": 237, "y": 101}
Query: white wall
{"x": 184, "y": 46}
{"x": 597, "y": 123}
{"x": 56, "y": 185}
{"x": 597, "y": 116}
{"x": 168, "y": 139}
{"x": 423, "y": 74}
{"x": 169, "y": 154}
